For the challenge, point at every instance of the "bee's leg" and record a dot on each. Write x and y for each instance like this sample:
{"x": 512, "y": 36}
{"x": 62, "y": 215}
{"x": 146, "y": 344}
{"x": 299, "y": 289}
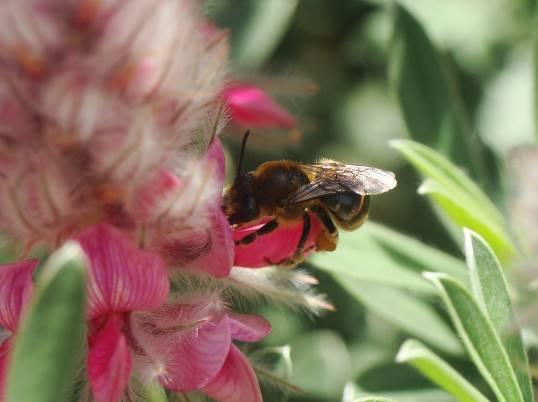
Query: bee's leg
{"x": 307, "y": 224}
{"x": 267, "y": 228}
{"x": 326, "y": 241}
{"x": 298, "y": 256}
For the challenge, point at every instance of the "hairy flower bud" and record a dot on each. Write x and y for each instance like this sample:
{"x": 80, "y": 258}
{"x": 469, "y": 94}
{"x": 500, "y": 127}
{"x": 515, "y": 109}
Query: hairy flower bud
{"x": 98, "y": 98}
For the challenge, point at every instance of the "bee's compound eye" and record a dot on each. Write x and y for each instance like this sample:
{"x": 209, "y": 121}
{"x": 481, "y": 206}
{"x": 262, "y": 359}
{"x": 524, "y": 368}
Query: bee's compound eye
{"x": 245, "y": 211}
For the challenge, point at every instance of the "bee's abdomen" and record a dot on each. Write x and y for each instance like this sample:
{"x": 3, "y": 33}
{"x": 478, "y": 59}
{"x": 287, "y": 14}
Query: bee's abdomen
{"x": 349, "y": 209}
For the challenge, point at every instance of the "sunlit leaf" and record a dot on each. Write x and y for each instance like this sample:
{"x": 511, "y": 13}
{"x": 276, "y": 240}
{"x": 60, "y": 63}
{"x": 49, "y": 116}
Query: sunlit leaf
{"x": 412, "y": 253}
{"x": 438, "y": 371}
{"x": 465, "y": 213}
{"x": 48, "y": 346}
{"x": 479, "y": 337}
{"x": 374, "y": 399}
{"x": 490, "y": 289}
{"x": 412, "y": 395}
{"x": 457, "y": 195}
{"x": 432, "y": 111}
{"x": 405, "y": 311}
{"x": 379, "y": 255}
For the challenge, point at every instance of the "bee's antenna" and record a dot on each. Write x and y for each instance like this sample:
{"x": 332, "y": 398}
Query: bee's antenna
{"x": 242, "y": 153}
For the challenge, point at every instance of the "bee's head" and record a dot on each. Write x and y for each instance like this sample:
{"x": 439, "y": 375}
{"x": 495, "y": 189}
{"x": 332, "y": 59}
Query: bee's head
{"x": 240, "y": 205}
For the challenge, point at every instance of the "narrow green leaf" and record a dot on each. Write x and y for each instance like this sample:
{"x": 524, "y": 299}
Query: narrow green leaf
{"x": 366, "y": 267}
{"x": 466, "y": 213}
{"x": 479, "y": 337}
{"x": 49, "y": 344}
{"x": 490, "y": 289}
{"x": 379, "y": 255}
{"x": 457, "y": 195}
{"x": 406, "y": 312}
{"x": 433, "y": 165}
{"x": 430, "y": 102}
{"x": 415, "y": 395}
{"x": 413, "y": 253}
{"x": 438, "y": 371}
{"x": 264, "y": 29}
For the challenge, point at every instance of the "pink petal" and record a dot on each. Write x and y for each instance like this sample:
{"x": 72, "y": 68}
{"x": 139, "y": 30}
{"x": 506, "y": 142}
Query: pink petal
{"x": 249, "y": 328}
{"x": 185, "y": 345}
{"x": 109, "y": 361}
{"x": 215, "y": 153}
{"x": 236, "y": 382}
{"x": 274, "y": 247}
{"x": 219, "y": 259}
{"x": 122, "y": 277}
{"x": 251, "y": 107}
{"x": 15, "y": 288}
{"x": 5, "y": 349}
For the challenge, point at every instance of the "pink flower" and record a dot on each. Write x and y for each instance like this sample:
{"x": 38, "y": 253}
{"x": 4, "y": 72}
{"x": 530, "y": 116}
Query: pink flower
{"x": 252, "y": 108}
{"x": 188, "y": 346}
{"x": 185, "y": 344}
{"x": 205, "y": 243}
{"x": 122, "y": 279}
{"x": 110, "y": 113}
{"x": 276, "y": 246}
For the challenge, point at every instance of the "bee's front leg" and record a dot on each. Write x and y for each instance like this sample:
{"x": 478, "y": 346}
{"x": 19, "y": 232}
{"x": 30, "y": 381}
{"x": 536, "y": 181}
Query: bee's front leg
{"x": 267, "y": 228}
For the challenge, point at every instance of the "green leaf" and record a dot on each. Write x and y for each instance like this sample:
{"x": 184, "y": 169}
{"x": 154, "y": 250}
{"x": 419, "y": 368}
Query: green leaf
{"x": 412, "y": 253}
{"x": 429, "y": 101}
{"x": 457, "y": 195}
{"x": 379, "y": 255}
{"x": 154, "y": 393}
{"x": 479, "y": 337}
{"x": 47, "y": 348}
{"x": 374, "y": 399}
{"x": 413, "y": 395}
{"x": 490, "y": 289}
{"x": 321, "y": 365}
{"x": 465, "y": 214}
{"x": 406, "y": 312}
{"x": 438, "y": 371}
{"x": 263, "y": 31}
{"x": 422, "y": 395}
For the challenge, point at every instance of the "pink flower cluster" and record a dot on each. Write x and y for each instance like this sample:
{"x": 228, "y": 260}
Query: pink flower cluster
{"x": 135, "y": 328}
{"x": 110, "y": 113}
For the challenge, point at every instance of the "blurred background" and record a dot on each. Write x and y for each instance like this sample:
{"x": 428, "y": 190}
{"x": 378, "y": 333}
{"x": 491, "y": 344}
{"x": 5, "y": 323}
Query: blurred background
{"x": 328, "y": 63}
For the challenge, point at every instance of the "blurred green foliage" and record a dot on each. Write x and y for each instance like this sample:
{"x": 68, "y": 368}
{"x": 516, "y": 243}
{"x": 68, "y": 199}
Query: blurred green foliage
{"x": 457, "y": 76}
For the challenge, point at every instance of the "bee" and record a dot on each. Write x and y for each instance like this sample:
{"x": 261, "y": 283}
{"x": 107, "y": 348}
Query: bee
{"x": 289, "y": 193}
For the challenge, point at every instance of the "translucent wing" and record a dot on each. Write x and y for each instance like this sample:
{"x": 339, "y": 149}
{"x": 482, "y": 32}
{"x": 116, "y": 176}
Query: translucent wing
{"x": 330, "y": 177}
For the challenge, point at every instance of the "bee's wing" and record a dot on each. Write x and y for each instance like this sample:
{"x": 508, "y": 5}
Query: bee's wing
{"x": 330, "y": 177}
